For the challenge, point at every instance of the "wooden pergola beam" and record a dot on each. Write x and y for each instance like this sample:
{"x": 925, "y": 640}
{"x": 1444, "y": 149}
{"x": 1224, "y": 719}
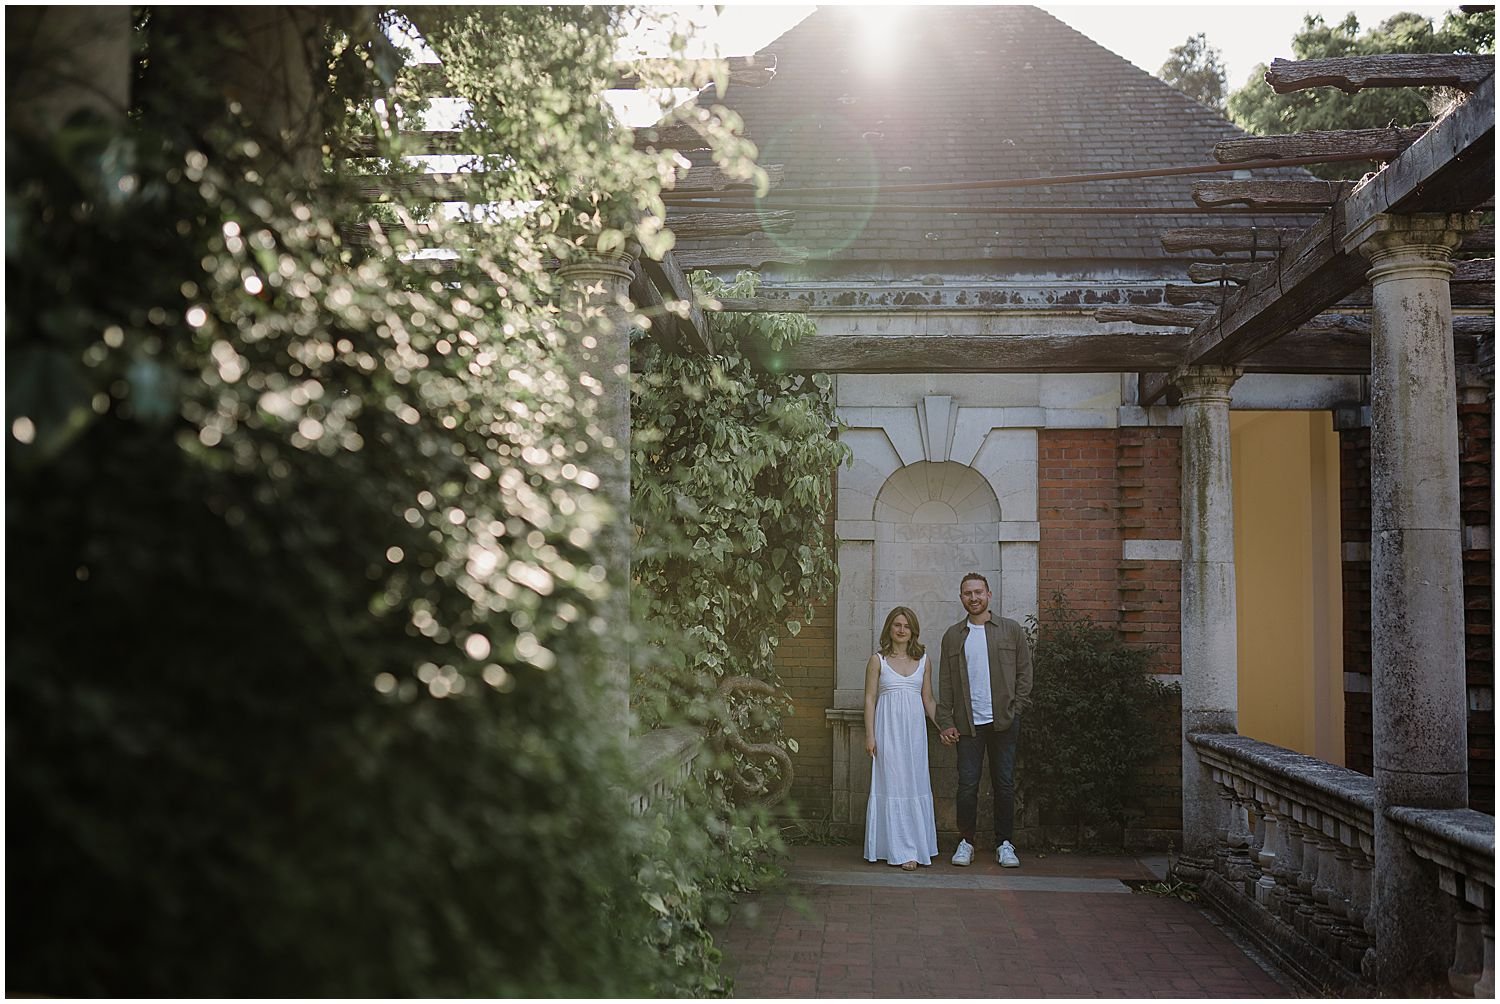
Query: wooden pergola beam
{"x": 671, "y": 282}
{"x": 1341, "y": 350}
{"x": 1377, "y": 144}
{"x": 1450, "y": 169}
{"x": 1271, "y": 194}
{"x": 1355, "y": 73}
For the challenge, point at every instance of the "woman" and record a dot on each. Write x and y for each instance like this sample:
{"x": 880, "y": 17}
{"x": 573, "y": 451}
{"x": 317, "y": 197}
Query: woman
{"x": 899, "y": 824}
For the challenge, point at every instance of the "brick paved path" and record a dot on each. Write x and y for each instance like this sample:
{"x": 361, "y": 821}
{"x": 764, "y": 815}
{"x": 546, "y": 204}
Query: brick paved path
{"x": 1061, "y": 926}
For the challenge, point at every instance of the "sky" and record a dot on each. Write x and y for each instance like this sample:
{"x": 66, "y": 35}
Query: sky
{"x": 1246, "y": 34}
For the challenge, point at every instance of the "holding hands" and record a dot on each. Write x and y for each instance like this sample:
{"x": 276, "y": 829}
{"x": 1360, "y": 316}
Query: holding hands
{"x": 949, "y": 736}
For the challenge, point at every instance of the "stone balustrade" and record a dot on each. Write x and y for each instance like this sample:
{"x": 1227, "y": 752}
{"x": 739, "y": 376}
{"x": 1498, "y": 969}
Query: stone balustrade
{"x": 1460, "y": 843}
{"x": 663, "y": 763}
{"x": 1295, "y": 863}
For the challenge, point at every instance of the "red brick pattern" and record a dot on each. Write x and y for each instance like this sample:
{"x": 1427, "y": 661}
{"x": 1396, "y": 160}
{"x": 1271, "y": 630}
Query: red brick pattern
{"x": 1078, "y": 506}
{"x": 914, "y": 941}
{"x": 1150, "y": 468}
{"x": 805, "y": 663}
{"x": 1096, "y": 489}
{"x": 1475, "y": 460}
{"x": 1354, "y": 528}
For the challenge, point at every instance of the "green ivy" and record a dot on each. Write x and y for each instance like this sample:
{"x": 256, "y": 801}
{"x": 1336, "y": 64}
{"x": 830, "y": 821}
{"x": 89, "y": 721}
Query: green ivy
{"x": 732, "y": 493}
{"x": 732, "y": 490}
{"x": 305, "y": 633}
{"x": 1094, "y": 725}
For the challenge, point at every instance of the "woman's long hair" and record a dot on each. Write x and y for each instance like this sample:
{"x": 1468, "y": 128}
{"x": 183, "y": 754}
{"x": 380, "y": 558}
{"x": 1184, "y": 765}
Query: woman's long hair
{"x": 914, "y": 648}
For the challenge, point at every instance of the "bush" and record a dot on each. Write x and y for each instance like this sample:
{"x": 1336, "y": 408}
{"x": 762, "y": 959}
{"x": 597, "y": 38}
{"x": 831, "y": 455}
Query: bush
{"x": 1094, "y": 724}
{"x": 304, "y": 562}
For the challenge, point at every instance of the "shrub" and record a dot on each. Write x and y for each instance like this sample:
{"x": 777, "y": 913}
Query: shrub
{"x": 1094, "y": 724}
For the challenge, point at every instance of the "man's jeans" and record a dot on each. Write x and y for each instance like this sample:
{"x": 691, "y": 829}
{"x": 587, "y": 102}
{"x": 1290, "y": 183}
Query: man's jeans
{"x": 1001, "y": 747}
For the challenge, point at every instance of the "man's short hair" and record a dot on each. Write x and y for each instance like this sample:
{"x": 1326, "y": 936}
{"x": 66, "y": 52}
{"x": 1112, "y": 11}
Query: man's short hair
{"x": 973, "y": 575}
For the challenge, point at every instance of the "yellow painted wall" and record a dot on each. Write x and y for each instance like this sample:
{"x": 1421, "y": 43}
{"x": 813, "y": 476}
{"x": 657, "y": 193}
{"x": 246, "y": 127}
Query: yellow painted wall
{"x": 1287, "y": 580}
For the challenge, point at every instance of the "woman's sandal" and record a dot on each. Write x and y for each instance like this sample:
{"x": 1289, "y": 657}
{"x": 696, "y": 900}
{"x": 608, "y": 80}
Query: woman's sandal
{"x": 910, "y": 866}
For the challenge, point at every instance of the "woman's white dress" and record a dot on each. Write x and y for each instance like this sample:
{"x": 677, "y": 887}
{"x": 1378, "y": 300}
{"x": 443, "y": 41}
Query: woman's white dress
{"x": 899, "y": 824}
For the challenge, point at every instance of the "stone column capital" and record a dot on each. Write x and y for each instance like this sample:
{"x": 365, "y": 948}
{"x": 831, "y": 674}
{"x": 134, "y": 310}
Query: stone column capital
{"x": 591, "y": 264}
{"x": 1205, "y": 384}
{"x": 1410, "y": 244}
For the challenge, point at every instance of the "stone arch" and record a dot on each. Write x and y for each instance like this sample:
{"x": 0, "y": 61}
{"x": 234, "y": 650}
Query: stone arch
{"x": 933, "y": 522}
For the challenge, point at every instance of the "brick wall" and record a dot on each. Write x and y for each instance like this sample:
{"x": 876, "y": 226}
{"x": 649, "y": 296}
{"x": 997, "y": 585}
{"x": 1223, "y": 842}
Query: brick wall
{"x": 1098, "y": 488}
{"x": 1354, "y": 529}
{"x": 806, "y": 665}
{"x": 1475, "y": 464}
{"x": 1150, "y": 495}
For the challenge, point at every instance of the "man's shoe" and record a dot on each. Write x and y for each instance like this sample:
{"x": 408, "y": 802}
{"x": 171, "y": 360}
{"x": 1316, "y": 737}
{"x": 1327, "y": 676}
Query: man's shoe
{"x": 964, "y": 855}
{"x": 1005, "y": 854}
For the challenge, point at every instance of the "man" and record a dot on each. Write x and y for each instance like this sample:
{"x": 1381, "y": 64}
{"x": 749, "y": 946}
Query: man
{"x": 985, "y": 674}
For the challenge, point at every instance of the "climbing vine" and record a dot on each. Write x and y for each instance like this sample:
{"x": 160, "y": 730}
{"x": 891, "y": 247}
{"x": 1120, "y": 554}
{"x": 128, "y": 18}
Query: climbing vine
{"x": 733, "y": 489}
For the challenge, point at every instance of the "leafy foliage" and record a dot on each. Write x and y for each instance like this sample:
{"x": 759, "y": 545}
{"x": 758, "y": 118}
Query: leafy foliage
{"x": 1260, "y": 110}
{"x": 305, "y": 565}
{"x": 1197, "y": 69}
{"x": 1095, "y": 721}
{"x": 732, "y": 490}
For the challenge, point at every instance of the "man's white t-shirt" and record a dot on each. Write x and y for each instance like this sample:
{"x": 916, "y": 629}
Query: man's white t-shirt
{"x": 977, "y": 653}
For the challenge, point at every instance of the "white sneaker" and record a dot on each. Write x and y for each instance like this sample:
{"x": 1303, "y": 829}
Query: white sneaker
{"x": 964, "y": 855}
{"x": 1005, "y": 854}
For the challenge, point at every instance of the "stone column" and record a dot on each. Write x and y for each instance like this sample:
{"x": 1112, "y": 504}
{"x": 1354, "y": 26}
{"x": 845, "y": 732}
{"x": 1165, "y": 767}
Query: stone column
{"x": 597, "y": 317}
{"x": 1418, "y": 699}
{"x": 1210, "y": 683}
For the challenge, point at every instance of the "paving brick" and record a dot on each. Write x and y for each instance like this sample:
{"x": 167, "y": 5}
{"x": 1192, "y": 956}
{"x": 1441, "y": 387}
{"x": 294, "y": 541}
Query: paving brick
{"x": 911, "y": 941}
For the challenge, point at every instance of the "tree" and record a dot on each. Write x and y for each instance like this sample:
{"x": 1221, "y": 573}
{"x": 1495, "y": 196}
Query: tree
{"x": 304, "y": 622}
{"x": 1260, "y": 110}
{"x": 1196, "y": 69}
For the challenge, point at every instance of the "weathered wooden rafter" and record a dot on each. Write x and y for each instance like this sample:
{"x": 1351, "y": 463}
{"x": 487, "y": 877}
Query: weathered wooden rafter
{"x": 1227, "y": 240}
{"x": 649, "y": 302}
{"x": 684, "y": 314}
{"x": 1376, "y": 144}
{"x": 708, "y": 178}
{"x": 1266, "y": 242}
{"x": 1449, "y": 169}
{"x": 751, "y": 252}
{"x": 1354, "y": 73}
{"x": 1270, "y": 194}
{"x": 1473, "y": 284}
{"x": 712, "y": 226}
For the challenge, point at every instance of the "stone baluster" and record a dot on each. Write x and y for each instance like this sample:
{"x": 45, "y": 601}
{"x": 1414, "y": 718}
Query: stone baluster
{"x": 1348, "y": 926}
{"x": 1360, "y": 897}
{"x": 1307, "y": 907}
{"x": 1324, "y": 893}
{"x": 1468, "y": 952}
{"x": 1291, "y": 867}
{"x": 1268, "y": 858}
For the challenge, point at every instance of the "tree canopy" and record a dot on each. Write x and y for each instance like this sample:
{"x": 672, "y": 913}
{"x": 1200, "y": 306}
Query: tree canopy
{"x": 1197, "y": 69}
{"x": 1257, "y": 108}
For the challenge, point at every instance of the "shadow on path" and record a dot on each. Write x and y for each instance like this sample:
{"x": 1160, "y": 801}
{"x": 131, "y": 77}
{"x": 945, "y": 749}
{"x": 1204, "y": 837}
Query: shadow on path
{"x": 1064, "y": 925}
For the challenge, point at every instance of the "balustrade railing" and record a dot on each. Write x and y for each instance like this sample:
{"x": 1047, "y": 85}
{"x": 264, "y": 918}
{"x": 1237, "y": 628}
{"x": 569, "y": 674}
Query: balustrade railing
{"x": 663, "y": 762}
{"x": 1460, "y": 843}
{"x": 1295, "y": 863}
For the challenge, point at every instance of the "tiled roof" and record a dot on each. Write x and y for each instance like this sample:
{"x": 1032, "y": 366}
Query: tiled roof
{"x": 968, "y": 94}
